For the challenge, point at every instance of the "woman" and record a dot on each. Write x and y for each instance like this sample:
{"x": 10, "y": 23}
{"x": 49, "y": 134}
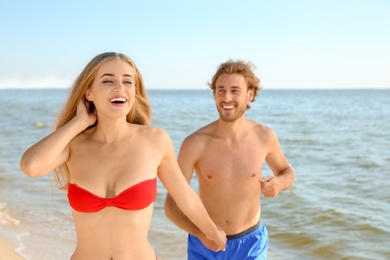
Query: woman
{"x": 106, "y": 155}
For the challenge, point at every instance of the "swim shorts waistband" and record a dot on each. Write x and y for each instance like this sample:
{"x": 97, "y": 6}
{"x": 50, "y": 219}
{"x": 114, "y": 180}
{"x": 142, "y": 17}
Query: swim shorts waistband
{"x": 243, "y": 233}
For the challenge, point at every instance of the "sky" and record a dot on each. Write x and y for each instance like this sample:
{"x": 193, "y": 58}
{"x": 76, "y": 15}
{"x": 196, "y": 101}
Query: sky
{"x": 300, "y": 44}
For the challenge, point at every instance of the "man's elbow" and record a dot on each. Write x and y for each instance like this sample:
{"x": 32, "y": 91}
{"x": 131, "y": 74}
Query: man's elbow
{"x": 169, "y": 205}
{"x": 287, "y": 177}
{"x": 291, "y": 178}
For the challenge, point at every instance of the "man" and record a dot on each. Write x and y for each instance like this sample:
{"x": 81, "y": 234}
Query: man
{"x": 227, "y": 156}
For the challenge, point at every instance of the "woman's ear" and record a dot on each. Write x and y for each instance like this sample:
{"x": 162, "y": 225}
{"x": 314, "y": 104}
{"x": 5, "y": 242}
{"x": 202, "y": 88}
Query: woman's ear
{"x": 88, "y": 95}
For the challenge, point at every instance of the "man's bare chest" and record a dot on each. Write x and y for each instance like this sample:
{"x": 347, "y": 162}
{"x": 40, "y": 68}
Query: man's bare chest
{"x": 231, "y": 162}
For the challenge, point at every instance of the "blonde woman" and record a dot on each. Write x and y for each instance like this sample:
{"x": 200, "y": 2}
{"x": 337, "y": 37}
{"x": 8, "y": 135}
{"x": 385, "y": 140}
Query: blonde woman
{"x": 107, "y": 156}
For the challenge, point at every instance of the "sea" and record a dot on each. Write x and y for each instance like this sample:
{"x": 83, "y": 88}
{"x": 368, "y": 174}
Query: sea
{"x": 338, "y": 142}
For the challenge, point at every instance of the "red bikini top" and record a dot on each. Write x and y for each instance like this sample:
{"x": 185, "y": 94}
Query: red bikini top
{"x": 136, "y": 197}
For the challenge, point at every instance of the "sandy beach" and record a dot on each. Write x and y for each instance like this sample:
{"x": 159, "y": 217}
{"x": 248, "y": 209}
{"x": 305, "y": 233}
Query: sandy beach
{"x": 7, "y": 250}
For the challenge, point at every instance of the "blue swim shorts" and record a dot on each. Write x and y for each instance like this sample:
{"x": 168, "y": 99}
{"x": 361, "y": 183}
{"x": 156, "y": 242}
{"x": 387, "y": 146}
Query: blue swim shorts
{"x": 251, "y": 244}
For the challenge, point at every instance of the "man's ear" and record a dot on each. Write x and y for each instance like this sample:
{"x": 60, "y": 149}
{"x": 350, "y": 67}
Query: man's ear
{"x": 250, "y": 95}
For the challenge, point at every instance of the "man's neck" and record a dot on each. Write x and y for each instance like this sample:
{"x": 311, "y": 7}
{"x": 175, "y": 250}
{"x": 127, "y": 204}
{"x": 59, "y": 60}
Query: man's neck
{"x": 230, "y": 130}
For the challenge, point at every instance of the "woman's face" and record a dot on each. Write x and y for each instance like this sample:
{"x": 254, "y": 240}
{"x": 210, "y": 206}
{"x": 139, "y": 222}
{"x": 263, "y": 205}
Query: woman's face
{"x": 113, "y": 89}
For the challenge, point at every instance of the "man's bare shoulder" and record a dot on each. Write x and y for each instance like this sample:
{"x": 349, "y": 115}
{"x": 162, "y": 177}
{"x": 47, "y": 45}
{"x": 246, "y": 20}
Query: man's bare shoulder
{"x": 261, "y": 131}
{"x": 205, "y": 131}
{"x": 201, "y": 136}
{"x": 260, "y": 127}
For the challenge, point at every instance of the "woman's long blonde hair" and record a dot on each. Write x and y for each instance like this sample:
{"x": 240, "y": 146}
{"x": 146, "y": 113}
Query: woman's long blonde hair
{"x": 140, "y": 113}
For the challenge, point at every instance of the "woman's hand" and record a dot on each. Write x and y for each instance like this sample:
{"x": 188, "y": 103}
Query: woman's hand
{"x": 84, "y": 115}
{"x": 219, "y": 239}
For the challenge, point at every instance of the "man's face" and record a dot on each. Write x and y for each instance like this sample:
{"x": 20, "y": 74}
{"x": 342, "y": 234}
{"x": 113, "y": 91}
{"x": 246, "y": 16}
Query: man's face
{"x": 231, "y": 96}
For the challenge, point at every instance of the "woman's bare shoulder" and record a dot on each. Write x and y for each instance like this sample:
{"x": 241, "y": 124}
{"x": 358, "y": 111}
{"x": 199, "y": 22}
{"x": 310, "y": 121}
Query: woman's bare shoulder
{"x": 153, "y": 133}
{"x": 83, "y": 137}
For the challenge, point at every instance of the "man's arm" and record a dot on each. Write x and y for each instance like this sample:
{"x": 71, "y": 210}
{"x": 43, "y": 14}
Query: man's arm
{"x": 284, "y": 174}
{"x": 187, "y": 158}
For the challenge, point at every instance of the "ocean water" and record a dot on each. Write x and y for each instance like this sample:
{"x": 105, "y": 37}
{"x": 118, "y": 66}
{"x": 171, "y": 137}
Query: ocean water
{"x": 337, "y": 141}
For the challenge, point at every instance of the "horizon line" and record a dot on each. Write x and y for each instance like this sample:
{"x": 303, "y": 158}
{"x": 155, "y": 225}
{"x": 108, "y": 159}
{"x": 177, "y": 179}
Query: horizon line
{"x": 207, "y": 88}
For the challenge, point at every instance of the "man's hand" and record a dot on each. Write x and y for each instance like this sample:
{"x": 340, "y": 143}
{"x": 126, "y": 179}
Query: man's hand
{"x": 270, "y": 186}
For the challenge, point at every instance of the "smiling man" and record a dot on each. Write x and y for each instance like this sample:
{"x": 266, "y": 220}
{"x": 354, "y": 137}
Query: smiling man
{"x": 227, "y": 157}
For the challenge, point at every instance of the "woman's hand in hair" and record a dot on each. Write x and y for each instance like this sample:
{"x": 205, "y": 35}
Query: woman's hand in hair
{"x": 82, "y": 113}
